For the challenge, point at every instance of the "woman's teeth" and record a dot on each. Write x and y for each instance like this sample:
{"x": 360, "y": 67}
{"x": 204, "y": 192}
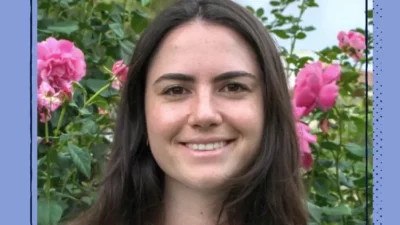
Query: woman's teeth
{"x": 207, "y": 147}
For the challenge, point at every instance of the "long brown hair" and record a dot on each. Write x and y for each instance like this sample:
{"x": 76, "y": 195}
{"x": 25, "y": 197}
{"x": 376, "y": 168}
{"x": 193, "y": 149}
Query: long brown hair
{"x": 269, "y": 192}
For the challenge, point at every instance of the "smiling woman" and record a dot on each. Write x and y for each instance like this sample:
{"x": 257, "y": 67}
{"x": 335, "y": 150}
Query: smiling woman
{"x": 205, "y": 131}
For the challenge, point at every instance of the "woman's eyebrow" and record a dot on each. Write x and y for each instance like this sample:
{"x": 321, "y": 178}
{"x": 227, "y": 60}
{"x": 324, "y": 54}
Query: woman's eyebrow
{"x": 233, "y": 74}
{"x": 192, "y": 79}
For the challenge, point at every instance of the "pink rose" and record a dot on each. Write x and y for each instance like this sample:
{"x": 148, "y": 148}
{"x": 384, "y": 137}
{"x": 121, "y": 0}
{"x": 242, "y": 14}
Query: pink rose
{"x": 304, "y": 138}
{"x": 343, "y": 40}
{"x": 316, "y": 87}
{"x": 48, "y": 101}
{"x": 356, "y": 40}
{"x": 59, "y": 63}
{"x": 352, "y": 43}
{"x": 121, "y": 72}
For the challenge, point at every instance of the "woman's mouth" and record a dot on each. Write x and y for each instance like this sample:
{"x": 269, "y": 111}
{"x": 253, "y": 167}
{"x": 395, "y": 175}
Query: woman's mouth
{"x": 207, "y": 146}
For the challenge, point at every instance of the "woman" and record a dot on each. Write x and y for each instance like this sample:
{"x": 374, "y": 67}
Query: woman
{"x": 205, "y": 131}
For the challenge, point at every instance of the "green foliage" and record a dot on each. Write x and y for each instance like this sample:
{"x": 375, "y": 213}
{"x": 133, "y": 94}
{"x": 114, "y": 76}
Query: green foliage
{"x": 71, "y": 160}
{"x": 71, "y": 157}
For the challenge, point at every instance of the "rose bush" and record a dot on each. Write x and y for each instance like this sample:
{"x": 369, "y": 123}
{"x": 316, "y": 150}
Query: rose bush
{"x": 83, "y": 51}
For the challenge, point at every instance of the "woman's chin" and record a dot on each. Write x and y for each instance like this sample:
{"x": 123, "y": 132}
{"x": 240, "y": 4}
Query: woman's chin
{"x": 205, "y": 182}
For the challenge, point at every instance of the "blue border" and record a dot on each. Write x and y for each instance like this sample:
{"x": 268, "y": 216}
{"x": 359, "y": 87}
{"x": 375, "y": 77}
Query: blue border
{"x": 18, "y": 113}
{"x": 377, "y": 113}
{"x": 17, "y": 193}
{"x": 33, "y": 151}
{"x": 386, "y": 114}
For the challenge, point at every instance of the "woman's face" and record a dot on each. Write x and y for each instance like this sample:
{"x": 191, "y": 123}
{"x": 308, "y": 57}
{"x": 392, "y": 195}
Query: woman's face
{"x": 204, "y": 105}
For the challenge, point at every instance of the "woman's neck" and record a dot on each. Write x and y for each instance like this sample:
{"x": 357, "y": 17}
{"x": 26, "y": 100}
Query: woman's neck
{"x": 183, "y": 205}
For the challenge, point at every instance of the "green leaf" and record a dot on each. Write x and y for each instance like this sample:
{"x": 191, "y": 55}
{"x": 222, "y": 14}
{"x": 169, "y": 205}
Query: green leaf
{"x": 355, "y": 221}
{"x": 66, "y": 27}
{"x": 321, "y": 186}
{"x": 326, "y": 163}
{"x": 127, "y": 48}
{"x": 349, "y": 76}
{"x": 49, "y": 212}
{"x": 89, "y": 127}
{"x": 360, "y": 182}
{"x": 281, "y": 33}
{"x": 96, "y": 84}
{"x": 370, "y": 13}
{"x": 100, "y": 150}
{"x": 337, "y": 211}
{"x": 117, "y": 29}
{"x": 303, "y": 60}
{"x": 65, "y": 137}
{"x": 101, "y": 6}
{"x": 309, "y": 28}
{"x": 301, "y": 35}
{"x": 332, "y": 55}
{"x": 73, "y": 104}
{"x": 274, "y": 3}
{"x": 115, "y": 15}
{"x": 260, "y": 12}
{"x": 311, "y": 3}
{"x": 315, "y": 212}
{"x": 85, "y": 112}
{"x": 145, "y": 2}
{"x": 336, "y": 49}
{"x": 101, "y": 102}
{"x": 264, "y": 19}
{"x": 81, "y": 159}
{"x": 139, "y": 21}
{"x": 355, "y": 149}
{"x": 330, "y": 145}
{"x": 78, "y": 85}
{"x": 63, "y": 160}
{"x": 345, "y": 180}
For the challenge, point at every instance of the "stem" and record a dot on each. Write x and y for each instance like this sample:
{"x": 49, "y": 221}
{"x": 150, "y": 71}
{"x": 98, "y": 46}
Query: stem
{"x": 96, "y": 94}
{"x": 337, "y": 160}
{"x": 123, "y": 15}
{"x": 102, "y": 89}
{"x": 294, "y": 37}
{"x": 313, "y": 172}
{"x": 48, "y": 181}
{"x": 337, "y": 175}
{"x": 356, "y": 189}
{"x": 46, "y": 129}
{"x": 96, "y": 136}
{"x": 100, "y": 37}
{"x": 65, "y": 182}
{"x": 57, "y": 131}
{"x": 109, "y": 71}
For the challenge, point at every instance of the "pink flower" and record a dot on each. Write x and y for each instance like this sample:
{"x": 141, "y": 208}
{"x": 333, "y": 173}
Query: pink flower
{"x": 59, "y": 63}
{"x": 121, "y": 72}
{"x": 352, "y": 43}
{"x": 356, "y": 39}
{"x": 101, "y": 111}
{"x": 304, "y": 138}
{"x": 48, "y": 101}
{"x": 316, "y": 87}
{"x": 343, "y": 40}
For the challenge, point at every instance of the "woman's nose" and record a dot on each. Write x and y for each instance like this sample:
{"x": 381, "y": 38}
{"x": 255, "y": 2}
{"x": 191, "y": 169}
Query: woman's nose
{"x": 204, "y": 112}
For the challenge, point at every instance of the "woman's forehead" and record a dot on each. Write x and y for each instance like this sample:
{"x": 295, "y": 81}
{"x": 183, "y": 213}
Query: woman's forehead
{"x": 203, "y": 47}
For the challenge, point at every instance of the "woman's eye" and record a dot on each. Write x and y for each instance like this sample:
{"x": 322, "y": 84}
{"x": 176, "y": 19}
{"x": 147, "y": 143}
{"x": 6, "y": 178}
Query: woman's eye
{"x": 176, "y": 91}
{"x": 233, "y": 88}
